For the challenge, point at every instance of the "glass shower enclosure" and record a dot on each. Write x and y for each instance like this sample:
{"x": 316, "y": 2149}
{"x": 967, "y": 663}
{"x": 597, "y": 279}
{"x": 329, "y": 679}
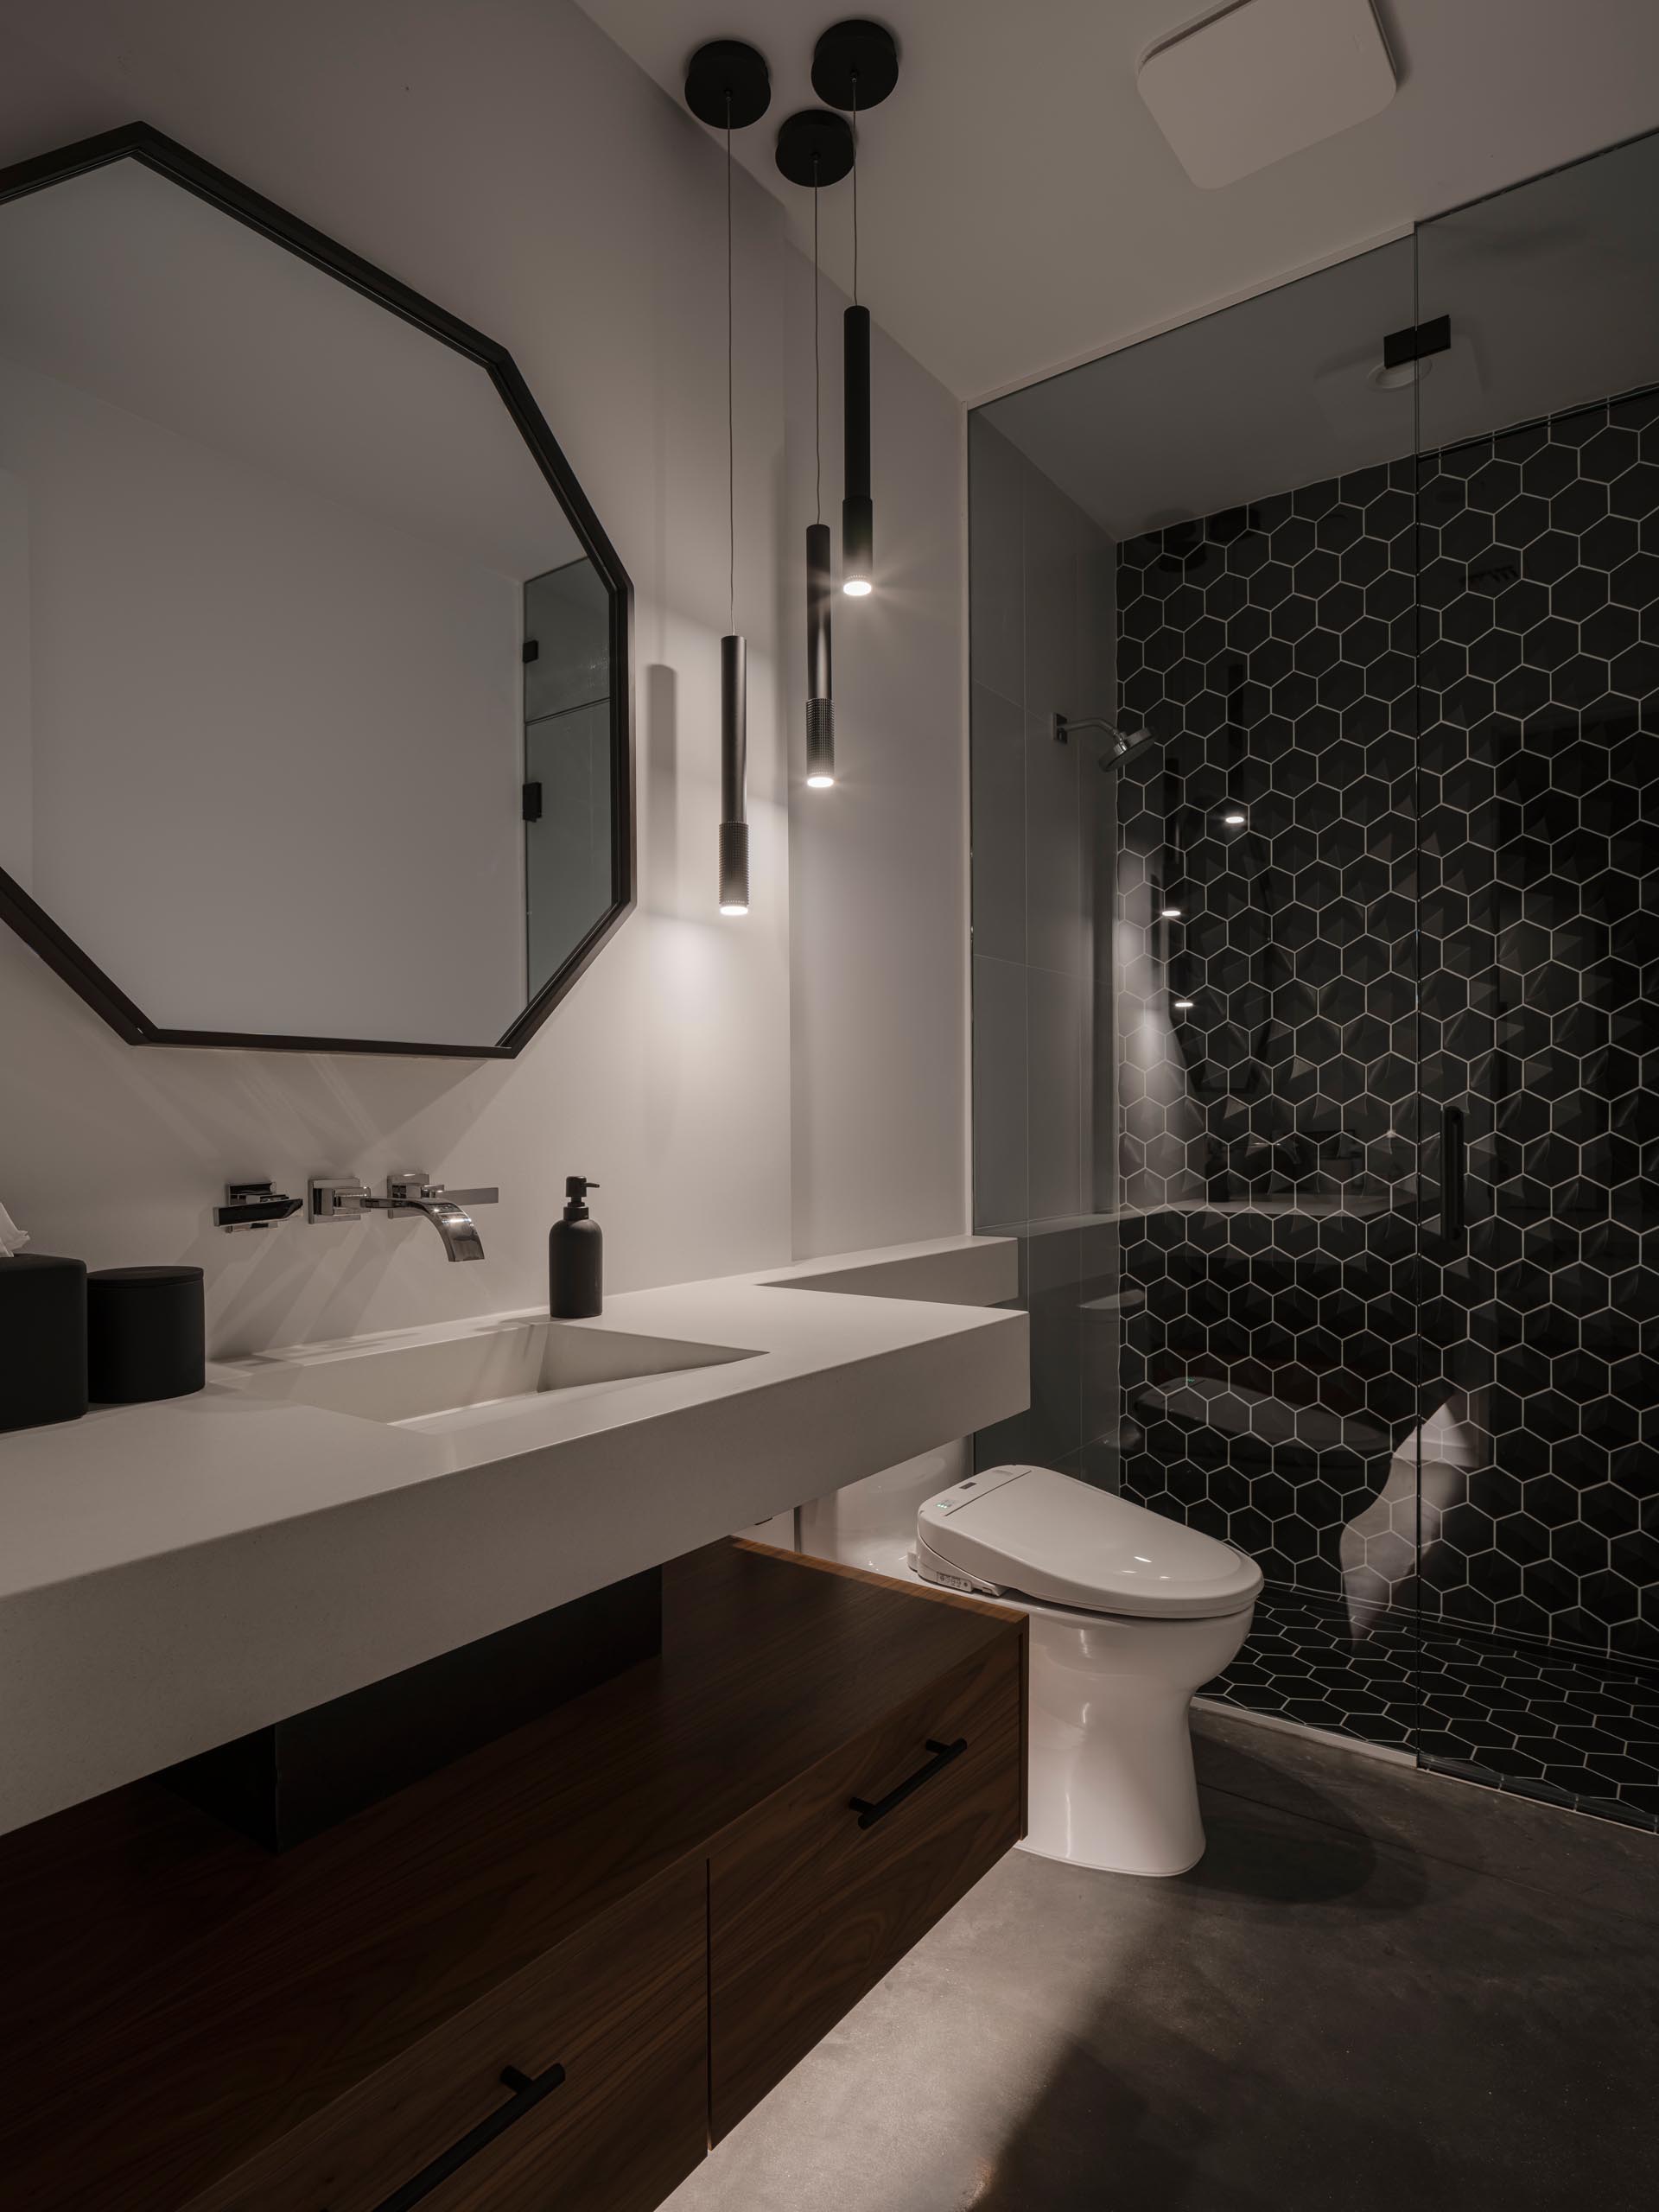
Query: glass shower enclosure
{"x": 1315, "y": 658}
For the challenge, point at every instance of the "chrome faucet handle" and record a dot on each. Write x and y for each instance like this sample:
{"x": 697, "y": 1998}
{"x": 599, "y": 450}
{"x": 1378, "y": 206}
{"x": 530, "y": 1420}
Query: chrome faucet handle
{"x": 254, "y": 1205}
{"x": 336, "y": 1198}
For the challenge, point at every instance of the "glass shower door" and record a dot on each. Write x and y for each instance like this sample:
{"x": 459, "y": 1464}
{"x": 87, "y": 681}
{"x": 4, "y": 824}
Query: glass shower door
{"x": 1222, "y": 852}
{"x": 1539, "y": 497}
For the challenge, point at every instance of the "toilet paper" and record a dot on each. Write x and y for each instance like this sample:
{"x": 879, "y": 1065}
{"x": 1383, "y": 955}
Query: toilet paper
{"x": 12, "y": 1239}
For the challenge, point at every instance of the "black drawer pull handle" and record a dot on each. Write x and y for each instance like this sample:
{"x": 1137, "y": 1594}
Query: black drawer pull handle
{"x": 868, "y": 1814}
{"x": 528, "y": 2090}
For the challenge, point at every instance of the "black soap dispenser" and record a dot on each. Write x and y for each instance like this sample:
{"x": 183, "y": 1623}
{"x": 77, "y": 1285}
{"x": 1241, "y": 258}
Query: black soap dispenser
{"x": 575, "y": 1250}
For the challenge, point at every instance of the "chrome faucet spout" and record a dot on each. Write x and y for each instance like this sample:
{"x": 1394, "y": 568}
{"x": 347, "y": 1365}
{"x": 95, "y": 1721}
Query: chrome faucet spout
{"x": 333, "y": 1200}
{"x": 454, "y": 1224}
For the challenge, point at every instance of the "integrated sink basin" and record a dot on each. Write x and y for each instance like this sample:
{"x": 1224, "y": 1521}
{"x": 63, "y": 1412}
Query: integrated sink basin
{"x": 394, "y": 1380}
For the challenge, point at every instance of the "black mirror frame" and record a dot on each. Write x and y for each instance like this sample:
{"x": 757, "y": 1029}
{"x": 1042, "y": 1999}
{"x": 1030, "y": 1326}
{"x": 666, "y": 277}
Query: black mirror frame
{"x": 139, "y": 142}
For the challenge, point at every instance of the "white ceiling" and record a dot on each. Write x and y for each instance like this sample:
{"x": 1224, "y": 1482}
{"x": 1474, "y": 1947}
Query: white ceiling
{"x": 1021, "y": 210}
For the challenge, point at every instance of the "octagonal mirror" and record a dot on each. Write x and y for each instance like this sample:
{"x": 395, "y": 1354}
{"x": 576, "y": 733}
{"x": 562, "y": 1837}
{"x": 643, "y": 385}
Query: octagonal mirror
{"x": 314, "y": 713}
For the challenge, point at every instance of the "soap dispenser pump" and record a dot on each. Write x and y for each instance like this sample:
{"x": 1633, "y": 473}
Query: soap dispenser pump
{"x": 576, "y": 1249}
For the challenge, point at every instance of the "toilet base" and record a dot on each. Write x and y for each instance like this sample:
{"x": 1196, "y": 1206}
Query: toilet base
{"x": 1101, "y": 1867}
{"x": 1111, "y": 1784}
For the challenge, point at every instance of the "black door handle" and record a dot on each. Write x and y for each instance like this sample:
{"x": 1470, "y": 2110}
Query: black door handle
{"x": 1455, "y": 1218}
{"x": 527, "y": 2092}
{"x": 870, "y": 1814}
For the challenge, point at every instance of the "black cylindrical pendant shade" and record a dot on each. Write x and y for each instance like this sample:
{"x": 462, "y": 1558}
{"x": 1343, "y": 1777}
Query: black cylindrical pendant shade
{"x": 819, "y": 680}
{"x": 734, "y": 773}
{"x": 734, "y": 867}
{"x": 734, "y": 728}
{"x": 857, "y": 516}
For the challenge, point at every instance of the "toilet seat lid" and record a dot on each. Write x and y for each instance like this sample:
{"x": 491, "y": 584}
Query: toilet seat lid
{"x": 1048, "y": 1536}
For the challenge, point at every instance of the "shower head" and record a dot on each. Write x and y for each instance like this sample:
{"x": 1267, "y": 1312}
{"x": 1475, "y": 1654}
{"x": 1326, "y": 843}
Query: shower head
{"x": 1122, "y": 742}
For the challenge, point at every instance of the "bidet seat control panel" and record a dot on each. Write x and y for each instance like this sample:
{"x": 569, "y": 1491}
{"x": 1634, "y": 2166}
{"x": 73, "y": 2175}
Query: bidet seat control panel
{"x": 969, "y": 1492}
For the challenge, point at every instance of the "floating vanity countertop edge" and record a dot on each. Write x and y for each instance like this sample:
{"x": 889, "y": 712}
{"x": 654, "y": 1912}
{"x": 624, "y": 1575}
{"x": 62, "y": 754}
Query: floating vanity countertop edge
{"x": 174, "y": 1575}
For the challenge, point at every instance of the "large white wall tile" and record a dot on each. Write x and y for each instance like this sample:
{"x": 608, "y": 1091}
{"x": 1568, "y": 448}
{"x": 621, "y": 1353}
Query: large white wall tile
{"x": 999, "y": 825}
{"x": 1055, "y": 1030}
{"x": 1056, "y": 928}
{"x": 1002, "y": 1183}
{"x": 996, "y": 492}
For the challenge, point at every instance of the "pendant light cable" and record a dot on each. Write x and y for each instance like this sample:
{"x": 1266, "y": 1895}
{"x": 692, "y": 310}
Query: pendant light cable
{"x": 730, "y": 436}
{"x": 855, "y": 188}
{"x": 817, "y": 359}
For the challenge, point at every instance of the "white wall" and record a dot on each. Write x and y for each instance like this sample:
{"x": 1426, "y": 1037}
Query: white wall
{"x": 878, "y": 866}
{"x": 508, "y": 161}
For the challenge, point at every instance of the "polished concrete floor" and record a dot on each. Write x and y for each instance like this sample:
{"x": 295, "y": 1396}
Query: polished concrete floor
{"x": 1378, "y": 1989}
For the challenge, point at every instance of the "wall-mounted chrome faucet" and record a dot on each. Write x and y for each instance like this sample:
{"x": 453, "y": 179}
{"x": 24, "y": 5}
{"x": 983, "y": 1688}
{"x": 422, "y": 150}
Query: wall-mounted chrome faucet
{"x": 336, "y": 1198}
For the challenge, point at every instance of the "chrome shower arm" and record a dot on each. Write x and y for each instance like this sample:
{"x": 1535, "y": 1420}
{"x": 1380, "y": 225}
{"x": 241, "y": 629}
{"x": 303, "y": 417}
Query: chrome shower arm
{"x": 1124, "y": 741}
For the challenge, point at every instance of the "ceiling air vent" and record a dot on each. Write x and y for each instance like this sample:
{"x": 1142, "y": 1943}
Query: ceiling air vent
{"x": 1264, "y": 79}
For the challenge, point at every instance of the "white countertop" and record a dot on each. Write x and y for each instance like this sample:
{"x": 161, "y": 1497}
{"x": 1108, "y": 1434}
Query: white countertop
{"x": 174, "y": 1575}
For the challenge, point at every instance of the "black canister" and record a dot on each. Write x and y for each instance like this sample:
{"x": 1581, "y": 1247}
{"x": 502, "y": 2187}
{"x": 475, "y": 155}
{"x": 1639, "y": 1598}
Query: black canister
{"x": 42, "y": 1340}
{"x": 146, "y": 1334}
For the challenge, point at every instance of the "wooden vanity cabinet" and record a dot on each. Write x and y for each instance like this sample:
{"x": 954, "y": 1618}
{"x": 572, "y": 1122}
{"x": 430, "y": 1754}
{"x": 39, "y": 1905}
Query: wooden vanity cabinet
{"x": 581, "y": 2080}
{"x": 813, "y": 1899}
{"x": 549, "y": 1975}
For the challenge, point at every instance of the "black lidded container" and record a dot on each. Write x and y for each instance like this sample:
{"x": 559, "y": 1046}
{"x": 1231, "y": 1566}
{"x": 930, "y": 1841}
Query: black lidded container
{"x": 576, "y": 1264}
{"x": 146, "y": 1334}
{"x": 42, "y": 1340}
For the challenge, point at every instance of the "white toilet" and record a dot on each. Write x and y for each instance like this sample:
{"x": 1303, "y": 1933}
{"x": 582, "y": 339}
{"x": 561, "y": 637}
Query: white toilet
{"x": 1130, "y": 1613}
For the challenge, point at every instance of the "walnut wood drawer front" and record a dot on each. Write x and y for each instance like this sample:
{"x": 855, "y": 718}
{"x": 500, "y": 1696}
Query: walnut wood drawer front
{"x": 829, "y": 1883}
{"x": 581, "y": 2085}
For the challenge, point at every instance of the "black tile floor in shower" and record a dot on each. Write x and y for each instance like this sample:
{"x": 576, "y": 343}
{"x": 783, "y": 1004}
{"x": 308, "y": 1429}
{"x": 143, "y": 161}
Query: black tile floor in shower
{"x": 1569, "y": 1727}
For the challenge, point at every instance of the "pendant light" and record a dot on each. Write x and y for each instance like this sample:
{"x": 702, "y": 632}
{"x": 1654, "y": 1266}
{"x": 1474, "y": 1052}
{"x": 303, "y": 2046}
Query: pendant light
{"x": 733, "y": 648}
{"x": 814, "y": 149}
{"x": 727, "y": 85}
{"x": 820, "y": 579}
{"x": 855, "y": 67}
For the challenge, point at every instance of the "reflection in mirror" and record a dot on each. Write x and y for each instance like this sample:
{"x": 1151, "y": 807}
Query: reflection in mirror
{"x": 567, "y": 763}
{"x": 292, "y": 625}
